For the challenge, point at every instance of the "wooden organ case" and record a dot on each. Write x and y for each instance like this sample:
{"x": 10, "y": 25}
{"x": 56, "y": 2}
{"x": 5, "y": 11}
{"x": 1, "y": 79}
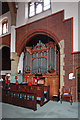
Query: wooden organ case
{"x": 42, "y": 61}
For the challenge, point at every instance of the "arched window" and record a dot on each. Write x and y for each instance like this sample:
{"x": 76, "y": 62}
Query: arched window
{"x": 4, "y": 26}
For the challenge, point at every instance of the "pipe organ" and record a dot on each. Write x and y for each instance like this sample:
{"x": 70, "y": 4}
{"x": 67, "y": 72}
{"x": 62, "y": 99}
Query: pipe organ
{"x": 43, "y": 60}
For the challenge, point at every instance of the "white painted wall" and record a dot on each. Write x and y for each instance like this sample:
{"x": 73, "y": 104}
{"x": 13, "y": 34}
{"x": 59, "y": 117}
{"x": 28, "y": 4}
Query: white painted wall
{"x": 6, "y": 15}
{"x": 20, "y": 64}
{"x": 21, "y": 14}
{"x": 79, "y": 25}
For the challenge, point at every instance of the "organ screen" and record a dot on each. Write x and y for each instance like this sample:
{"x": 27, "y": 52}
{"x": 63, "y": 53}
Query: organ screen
{"x": 42, "y": 60}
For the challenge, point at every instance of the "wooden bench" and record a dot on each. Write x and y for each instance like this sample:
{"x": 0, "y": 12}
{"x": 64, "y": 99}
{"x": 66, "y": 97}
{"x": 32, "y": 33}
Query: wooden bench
{"x": 41, "y": 91}
{"x": 18, "y": 95}
{"x": 23, "y": 99}
{"x": 42, "y": 94}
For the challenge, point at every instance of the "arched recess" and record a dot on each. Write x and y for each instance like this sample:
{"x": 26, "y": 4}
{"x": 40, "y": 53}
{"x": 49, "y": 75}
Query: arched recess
{"x": 1, "y": 46}
{"x": 32, "y": 34}
{"x": 60, "y": 44}
{"x": 5, "y": 60}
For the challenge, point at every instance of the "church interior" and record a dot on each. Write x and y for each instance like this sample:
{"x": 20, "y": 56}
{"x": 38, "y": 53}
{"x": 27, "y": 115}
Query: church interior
{"x": 40, "y": 53}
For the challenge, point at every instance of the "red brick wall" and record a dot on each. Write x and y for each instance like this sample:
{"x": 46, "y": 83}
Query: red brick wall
{"x": 5, "y": 40}
{"x": 58, "y": 29}
{"x": 71, "y": 65}
{"x": 53, "y": 25}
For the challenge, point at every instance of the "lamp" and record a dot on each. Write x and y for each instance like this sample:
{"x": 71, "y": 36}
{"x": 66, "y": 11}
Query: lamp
{"x": 7, "y": 77}
{"x": 16, "y": 82}
{"x": 6, "y": 82}
{"x": 26, "y": 78}
{"x": 37, "y": 77}
{"x": 15, "y": 77}
{"x": 29, "y": 84}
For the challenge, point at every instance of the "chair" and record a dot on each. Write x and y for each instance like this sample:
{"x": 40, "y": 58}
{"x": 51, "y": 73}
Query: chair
{"x": 66, "y": 95}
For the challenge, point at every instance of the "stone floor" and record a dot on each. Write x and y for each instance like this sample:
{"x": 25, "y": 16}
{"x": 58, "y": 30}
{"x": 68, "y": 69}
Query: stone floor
{"x": 52, "y": 109}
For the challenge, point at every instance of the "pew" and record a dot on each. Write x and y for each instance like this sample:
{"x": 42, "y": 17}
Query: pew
{"x": 23, "y": 99}
{"x": 26, "y": 96}
{"x": 41, "y": 91}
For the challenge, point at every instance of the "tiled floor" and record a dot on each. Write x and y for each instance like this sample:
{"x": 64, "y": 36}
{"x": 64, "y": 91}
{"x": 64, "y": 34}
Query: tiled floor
{"x": 49, "y": 110}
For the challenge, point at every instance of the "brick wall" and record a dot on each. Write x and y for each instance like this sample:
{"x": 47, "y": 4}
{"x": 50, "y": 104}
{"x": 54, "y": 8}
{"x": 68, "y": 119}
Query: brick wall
{"x": 55, "y": 27}
{"x": 5, "y": 40}
{"x": 58, "y": 29}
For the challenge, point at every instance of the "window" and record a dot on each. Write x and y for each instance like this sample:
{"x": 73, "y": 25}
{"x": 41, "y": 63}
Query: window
{"x": 46, "y": 4}
{"x": 4, "y": 27}
{"x": 38, "y": 7}
{"x": 31, "y": 9}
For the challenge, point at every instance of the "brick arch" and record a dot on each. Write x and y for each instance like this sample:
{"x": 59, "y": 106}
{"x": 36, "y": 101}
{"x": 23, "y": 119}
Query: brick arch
{"x": 32, "y": 34}
{"x": 5, "y": 40}
{"x": 4, "y": 45}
